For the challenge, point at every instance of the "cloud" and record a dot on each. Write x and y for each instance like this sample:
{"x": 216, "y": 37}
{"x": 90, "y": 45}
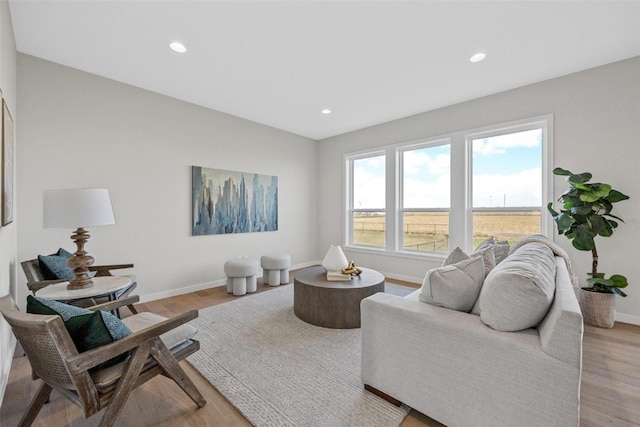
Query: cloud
{"x": 498, "y": 190}
{"x": 499, "y": 144}
{"x": 422, "y": 194}
{"x": 417, "y": 161}
{"x": 368, "y": 189}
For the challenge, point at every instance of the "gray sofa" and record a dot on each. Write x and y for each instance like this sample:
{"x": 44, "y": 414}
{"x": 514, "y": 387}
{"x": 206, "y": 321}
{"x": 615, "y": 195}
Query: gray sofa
{"x": 452, "y": 367}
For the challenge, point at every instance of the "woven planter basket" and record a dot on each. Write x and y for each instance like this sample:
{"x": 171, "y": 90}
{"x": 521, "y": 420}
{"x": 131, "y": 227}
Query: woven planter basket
{"x": 598, "y": 309}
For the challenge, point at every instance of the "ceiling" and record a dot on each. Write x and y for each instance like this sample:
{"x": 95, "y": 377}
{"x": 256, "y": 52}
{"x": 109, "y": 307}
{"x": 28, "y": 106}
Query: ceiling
{"x": 281, "y": 62}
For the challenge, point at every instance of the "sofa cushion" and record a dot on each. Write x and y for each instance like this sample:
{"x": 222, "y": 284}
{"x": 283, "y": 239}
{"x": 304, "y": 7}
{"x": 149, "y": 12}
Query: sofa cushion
{"x": 486, "y": 254}
{"x": 500, "y": 248}
{"x": 455, "y": 286}
{"x": 518, "y": 292}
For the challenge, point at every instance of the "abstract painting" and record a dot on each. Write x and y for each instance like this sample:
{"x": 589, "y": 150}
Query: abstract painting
{"x": 226, "y": 202}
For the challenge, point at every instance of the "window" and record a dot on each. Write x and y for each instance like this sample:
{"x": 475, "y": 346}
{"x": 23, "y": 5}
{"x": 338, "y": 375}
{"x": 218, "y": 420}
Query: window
{"x": 427, "y": 197}
{"x": 506, "y": 185}
{"x": 368, "y": 215}
{"x": 426, "y": 192}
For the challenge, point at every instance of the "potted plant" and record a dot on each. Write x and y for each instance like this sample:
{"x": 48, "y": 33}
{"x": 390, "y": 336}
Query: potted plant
{"x": 585, "y": 214}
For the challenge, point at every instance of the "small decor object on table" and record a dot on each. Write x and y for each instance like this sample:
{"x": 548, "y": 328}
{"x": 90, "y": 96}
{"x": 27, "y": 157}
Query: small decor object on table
{"x": 352, "y": 270}
{"x": 334, "y": 262}
{"x": 338, "y": 276}
{"x": 585, "y": 214}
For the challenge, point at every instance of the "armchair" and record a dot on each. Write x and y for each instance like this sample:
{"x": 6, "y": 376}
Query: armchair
{"x": 156, "y": 345}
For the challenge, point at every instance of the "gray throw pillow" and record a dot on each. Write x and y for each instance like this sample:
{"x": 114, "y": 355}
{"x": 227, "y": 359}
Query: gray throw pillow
{"x": 500, "y": 248}
{"x": 518, "y": 292}
{"x": 485, "y": 253}
{"x": 454, "y": 286}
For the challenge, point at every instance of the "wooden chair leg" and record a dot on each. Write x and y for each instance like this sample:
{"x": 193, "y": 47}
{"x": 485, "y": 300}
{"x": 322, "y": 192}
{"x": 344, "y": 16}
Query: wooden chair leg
{"x": 171, "y": 366}
{"x": 41, "y": 396}
{"x": 125, "y": 385}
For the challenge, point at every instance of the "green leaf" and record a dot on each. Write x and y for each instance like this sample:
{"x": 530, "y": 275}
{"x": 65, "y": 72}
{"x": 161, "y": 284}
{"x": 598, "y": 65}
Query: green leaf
{"x": 580, "y": 178}
{"x": 562, "y": 172}
{"x": 619, "y": 281}
{"x": 581, "y": 210}
{"x": 616, "y": 196}
{"x": 564, "y": 222}
{"x": 600, "y": 225}
{"x": 583, "y": 241}
{"x": 612, "y": 284}
{"x": 595, "y": 192}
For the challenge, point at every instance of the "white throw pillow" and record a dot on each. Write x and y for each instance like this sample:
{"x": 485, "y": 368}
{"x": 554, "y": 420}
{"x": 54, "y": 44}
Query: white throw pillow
{"x": 486, "y": 254}
{"x": 518, "y": 292}
{"x": 455, "y": 286}
{"x": 500, "y": 248}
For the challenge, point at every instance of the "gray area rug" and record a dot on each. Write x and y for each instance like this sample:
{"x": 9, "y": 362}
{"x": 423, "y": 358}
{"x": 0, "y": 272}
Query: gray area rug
{"x": 280, "y": 371}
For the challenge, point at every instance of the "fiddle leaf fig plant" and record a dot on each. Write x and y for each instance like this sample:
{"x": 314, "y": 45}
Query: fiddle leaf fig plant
{"x": 586, "y": 214}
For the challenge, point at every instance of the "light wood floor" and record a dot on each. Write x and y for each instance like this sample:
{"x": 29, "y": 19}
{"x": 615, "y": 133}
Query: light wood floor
{"x": 610, "y": 393}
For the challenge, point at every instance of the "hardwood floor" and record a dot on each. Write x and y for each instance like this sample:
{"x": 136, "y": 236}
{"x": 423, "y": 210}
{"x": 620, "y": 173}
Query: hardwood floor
{"x": 610, "y": 393}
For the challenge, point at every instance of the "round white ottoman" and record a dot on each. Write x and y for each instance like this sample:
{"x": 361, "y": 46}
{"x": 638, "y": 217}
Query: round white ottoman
{"x": 275, "y": 268}
{"x": 241, "y": 275}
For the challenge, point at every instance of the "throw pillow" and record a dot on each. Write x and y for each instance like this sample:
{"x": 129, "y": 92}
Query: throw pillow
{"x": 486, "y": 254}
{"x": 454, "y": 286}
{"x": 55, "y": 266}
{"x": 500, "y": 248}
{"x": 88, "y": 329}
{"x": 518, "y": 292}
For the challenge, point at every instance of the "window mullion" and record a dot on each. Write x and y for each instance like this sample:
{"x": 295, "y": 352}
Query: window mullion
{"x": 392, "y": 200}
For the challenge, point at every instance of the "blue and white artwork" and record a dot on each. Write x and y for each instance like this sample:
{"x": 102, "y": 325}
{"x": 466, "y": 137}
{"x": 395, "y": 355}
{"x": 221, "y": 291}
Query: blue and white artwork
{"x": 233, "y": 202}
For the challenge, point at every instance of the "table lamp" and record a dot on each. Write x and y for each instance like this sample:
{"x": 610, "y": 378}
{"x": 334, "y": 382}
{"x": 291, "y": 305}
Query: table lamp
{"x": 78, "y": 208}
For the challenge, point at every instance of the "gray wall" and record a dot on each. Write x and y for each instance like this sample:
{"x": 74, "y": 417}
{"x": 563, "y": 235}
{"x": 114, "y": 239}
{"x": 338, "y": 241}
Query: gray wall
{"x": 597, "y": 127}
{"x": 80, "y": 130}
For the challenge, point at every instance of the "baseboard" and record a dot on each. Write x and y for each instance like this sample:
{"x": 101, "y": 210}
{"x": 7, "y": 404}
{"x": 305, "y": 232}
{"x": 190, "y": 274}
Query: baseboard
{"x": 410, "y": 279}
{"x": 201, "y": 286}
{"x": 627, "y": 318}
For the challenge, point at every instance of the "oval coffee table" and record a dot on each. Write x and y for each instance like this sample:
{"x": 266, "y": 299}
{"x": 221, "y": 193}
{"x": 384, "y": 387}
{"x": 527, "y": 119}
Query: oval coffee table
{"x": 332, "y": 304}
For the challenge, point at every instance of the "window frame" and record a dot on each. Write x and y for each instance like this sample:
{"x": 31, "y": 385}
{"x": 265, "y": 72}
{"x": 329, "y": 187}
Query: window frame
{"x": 399, "y": 152}
{"x": 349, "y": 193}
{"x": 461, "y": 206}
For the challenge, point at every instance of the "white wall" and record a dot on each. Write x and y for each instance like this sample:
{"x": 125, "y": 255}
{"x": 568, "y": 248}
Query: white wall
{"x": 596, "y": 129}
{"x": 7, "y": 233}
{"x": 80, "y": 130}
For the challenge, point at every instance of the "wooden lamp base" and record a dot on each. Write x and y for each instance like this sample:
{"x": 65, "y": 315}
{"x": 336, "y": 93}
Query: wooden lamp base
{"x": 80, "y": 262}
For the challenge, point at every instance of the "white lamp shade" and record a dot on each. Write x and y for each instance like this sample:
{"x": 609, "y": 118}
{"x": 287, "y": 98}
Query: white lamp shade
{"x": 74, "y": 208}
{"x": 335, "y": 260}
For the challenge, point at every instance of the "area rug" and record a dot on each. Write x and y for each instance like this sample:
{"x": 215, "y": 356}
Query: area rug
{"x": 280, "y": 371}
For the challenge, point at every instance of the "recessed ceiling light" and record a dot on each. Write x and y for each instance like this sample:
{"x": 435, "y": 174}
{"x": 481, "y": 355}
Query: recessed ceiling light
{"x": 478, "y": 57}
{"x": 178, "y": 47}
{"x": 326, "y": 111}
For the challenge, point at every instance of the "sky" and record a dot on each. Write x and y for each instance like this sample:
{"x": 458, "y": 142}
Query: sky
{"x": 506, "y": 173}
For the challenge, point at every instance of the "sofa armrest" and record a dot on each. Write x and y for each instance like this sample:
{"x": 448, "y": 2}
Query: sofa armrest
{"x": 562, "y": 328}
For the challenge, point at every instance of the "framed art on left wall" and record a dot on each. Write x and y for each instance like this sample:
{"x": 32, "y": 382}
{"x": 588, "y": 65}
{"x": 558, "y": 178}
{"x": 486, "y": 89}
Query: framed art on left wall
{"x": 7, "y": 165}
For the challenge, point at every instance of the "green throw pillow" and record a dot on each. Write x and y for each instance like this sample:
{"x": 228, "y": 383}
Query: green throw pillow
{"x": 88, "y": 329}
{"x": 55, "y": 266}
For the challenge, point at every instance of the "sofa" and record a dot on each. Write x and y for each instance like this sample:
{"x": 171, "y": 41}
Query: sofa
{"x": 468, "y": 366}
